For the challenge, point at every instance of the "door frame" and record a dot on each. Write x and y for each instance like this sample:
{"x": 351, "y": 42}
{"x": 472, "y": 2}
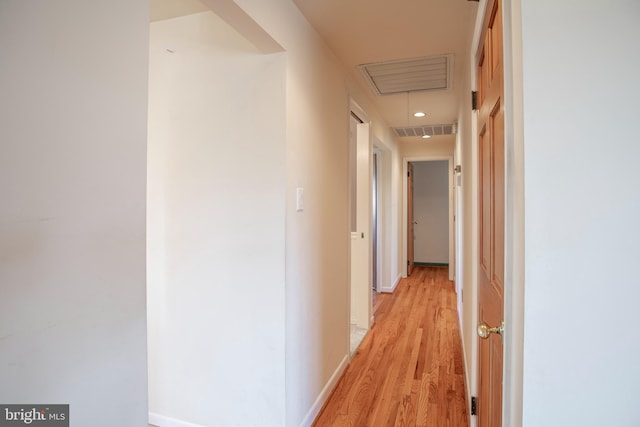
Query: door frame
{"x": 405, "y": 209}
{"x": 356, "y": 110}
{"x": 376, "y": 222}
{"x": 514, "y": 212}
{"x": 411, "y": 254}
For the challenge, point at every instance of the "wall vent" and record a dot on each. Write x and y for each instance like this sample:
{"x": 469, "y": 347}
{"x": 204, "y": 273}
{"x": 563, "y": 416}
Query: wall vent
{"x": 431, "y": 130}
{"x": 409, "y": 75}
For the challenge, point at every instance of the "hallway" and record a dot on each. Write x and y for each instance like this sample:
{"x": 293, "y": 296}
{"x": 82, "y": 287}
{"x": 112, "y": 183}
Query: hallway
{"x": 408, "y": 370}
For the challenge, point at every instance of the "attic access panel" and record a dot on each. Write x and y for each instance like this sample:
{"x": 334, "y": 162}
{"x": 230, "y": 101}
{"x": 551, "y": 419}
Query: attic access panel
{"x": 409, "y": 75}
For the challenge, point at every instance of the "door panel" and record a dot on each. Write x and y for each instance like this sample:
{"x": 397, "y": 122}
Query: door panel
{"x": 360, "y": 239}
{"x": 485, "y": 202}
{"x": 491, "y": 217}
{"x": 497, "y": 186}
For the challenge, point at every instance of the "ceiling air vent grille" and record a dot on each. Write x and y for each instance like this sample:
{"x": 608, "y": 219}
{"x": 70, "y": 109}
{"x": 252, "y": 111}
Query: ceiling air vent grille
{"x": 409, "y": 75}
{"x": 430, "y": 130}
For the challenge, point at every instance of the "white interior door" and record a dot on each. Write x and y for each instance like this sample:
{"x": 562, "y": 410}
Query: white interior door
{"x": 361, "y": 237}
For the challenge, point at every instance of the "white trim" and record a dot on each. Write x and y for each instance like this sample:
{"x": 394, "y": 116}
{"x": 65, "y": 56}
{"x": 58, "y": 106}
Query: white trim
{"x": 512, "y": 393}
{"x": 358, "y": 110}
{"x": 379, "y": 207}
{"x": 471, "y": 291}
{"x": 164, "y": 421}
{"x": 390, "y": 289}
{"x": 467, "y": 383}
{"x": 405, "y": 168}
{"x": 325, "y": 393}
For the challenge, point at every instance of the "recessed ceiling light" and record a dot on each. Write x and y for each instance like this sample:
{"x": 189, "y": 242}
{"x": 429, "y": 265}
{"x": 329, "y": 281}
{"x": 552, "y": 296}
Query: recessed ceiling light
{"x": 426, "y": 136}
{"x": 419, "y": 114}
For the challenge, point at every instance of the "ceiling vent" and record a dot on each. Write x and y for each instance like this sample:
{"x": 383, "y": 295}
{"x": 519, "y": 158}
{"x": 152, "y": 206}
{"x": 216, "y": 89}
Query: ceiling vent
{"x": 431, "y": 130}
{"x": 409, "y": 75}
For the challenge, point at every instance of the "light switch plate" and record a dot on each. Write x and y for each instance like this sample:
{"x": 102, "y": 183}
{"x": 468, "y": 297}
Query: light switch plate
{"x": 299, "y": 199}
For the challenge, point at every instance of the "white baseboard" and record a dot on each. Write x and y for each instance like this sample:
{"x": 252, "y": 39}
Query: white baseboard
{"x": 325, "y": 393}
{"x": 163, "y": 421}
{"x": 390, "y": 289}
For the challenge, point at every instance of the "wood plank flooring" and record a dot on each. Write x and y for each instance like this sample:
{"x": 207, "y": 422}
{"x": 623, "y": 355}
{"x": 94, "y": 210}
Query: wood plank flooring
{"x": 408, "y": 370}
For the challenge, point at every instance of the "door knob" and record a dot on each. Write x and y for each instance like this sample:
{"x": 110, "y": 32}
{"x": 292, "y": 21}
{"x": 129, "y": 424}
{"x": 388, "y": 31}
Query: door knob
{"x": 484, "y": 330}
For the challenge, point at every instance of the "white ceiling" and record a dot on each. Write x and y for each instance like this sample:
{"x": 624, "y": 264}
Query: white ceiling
{"x": 166, "y": 9}
{"x": 362, "y": 32}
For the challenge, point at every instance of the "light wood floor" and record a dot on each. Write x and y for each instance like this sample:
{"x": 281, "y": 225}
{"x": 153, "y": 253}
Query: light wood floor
{"x": 408, "y": 371}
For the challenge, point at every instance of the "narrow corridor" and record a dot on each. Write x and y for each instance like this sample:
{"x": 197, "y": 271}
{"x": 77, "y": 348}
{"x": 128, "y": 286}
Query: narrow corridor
{"x": 408, "y": 371}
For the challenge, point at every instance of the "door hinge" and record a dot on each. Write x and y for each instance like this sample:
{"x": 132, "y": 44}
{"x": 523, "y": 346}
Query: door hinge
{"x": 408, "y": 263}
{"x": 474, "y": 405}
{"x": 474, "y": 100}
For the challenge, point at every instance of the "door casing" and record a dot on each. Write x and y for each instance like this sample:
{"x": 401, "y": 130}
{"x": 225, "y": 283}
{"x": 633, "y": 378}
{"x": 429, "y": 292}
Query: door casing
{"x": 405, "y": 225}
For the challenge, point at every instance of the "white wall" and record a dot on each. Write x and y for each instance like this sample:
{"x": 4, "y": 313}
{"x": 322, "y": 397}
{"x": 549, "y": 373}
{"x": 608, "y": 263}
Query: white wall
{"x": 388, "y": 177}
{"x": 216, "y": 226}
{"x": 72, "y": 216}
{"x": 431, "y": 211}
{"x": 392, "y": 181}
{"x": 390, "y": 203}
{"x": 317, "y": 251}
{"x": 387, "y": 207}
{"x": 581, "y": 339}
{"x": 437, "y": 146}
{"x": 317, "y": 260}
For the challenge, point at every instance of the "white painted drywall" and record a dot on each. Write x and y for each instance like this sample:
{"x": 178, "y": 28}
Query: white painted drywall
{"x": 317, "y": 251}
{"x": 317, "y": 310}
{"x": 431, "y": 211}
{"x": 72, "y": 216}
{"x": 216, "y": 226}
{"x": 436, "y": 146}
{"x": 581, "y": 91}
{"x": 390, "y": 205}
{"x": 387, "y": 219}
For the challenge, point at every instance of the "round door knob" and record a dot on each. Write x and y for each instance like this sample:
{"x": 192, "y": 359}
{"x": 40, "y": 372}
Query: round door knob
{"x": 484, "y": 331}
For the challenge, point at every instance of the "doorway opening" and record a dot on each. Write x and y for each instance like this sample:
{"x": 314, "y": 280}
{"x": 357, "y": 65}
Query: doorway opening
{"x": 429, "y": 213}
{"x": 362, "y": 235}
